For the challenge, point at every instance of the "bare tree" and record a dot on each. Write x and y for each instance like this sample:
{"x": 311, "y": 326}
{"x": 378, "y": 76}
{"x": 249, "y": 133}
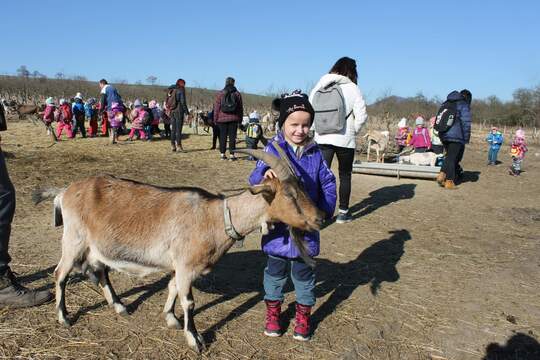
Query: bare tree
{"x": 79, "y": 78}
{"x": 151, "y": 80}
{"x": 59, "y": 75}
{"x": 23, "y": 71}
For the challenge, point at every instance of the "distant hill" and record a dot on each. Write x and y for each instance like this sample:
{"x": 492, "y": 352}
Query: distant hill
{"x": 36, "y": 90}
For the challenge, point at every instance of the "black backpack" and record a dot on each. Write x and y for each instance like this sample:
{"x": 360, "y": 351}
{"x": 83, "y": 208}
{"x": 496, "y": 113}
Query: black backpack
{"x": 446, "y": 116}
{"x": 229, "y": 102}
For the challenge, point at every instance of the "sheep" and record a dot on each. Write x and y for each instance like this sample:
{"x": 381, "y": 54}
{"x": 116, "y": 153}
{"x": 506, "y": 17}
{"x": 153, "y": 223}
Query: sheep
{"x": 103, "y": 231}
{"x": 377, "y": 140}
{"x": 426, "y": 158}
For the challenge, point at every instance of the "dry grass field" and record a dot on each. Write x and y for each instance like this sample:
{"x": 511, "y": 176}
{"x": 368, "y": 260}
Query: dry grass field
{"x": 421, "y": 273}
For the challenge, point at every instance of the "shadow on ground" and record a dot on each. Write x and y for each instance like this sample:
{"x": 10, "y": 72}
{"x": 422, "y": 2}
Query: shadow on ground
{"x": 378, "y": 199}
{"x": 519, "y": 346}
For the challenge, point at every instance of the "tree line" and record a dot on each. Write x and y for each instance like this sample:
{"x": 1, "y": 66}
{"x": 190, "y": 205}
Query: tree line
{"x": 523, "y": 110}
{"x": 33, "y": 86}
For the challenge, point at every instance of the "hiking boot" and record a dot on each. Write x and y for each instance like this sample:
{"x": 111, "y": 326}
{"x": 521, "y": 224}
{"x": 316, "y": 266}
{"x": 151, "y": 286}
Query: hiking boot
{"x": 441, "y": 178}
{"x": 14, "y": 295}
{"x": 180, "y": 148}
{"x": 449, "y": 185}
{"x": 223, "y": 157}
{"x": 232, "y": 158}
{"x": 273, "y": 310}
{"x": 302, "y": 329}
{"x": 343, "y": 217}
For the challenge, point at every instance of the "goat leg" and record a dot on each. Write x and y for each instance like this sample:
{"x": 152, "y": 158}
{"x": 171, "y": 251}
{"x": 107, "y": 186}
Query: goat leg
{"x": 61, "y": 273}
{"x": 109, "y": 293}
{"x": 168, "y": 310}
{"x": 183, "y": 286}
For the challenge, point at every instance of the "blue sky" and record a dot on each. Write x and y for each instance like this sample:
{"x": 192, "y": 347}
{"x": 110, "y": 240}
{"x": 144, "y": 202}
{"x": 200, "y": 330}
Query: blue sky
{"x": 401, "y": 47}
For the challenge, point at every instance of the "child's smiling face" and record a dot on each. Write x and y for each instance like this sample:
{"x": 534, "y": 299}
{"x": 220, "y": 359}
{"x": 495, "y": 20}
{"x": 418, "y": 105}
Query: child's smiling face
{"x": 296, "y": 127}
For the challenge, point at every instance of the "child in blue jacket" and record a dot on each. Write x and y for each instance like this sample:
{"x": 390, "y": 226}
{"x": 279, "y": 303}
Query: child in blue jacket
{"x": 495, "y": 140}
{"x": 295, "y": 120}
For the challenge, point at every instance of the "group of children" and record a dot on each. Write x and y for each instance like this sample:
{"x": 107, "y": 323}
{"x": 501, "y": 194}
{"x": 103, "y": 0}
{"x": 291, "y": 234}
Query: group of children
{"x": 518, "y": 149}
{"x": 422, "y": 140}
{"x": 73, "y": 115}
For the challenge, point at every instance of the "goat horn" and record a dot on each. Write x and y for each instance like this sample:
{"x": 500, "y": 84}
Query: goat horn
{"x": 279, "y": 166}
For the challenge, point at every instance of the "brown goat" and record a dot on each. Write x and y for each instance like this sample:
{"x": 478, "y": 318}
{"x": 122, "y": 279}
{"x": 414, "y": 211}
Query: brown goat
{"x": 112, "y": 223}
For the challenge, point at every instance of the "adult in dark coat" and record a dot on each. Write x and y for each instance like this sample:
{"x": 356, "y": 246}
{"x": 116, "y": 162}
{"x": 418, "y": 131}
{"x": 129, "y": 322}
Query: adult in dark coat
{"x": 227, "y": 119}
{"x": 11, "y": 292}
{"x": 455, "y": 139}
{"x": 178, "y": 114}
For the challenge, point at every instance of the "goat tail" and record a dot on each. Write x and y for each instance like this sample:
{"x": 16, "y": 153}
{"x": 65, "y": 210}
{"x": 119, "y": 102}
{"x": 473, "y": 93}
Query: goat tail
{"x": 298, "y": 239}
{"x": 43, "y": 194}
{"x": 40, "y": 195}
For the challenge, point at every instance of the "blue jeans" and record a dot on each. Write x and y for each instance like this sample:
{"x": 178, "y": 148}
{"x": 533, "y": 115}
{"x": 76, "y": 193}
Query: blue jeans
{"x": 148, "y": 131}
{"x": 492, "y": 155}
{"x": 275, "y": 277}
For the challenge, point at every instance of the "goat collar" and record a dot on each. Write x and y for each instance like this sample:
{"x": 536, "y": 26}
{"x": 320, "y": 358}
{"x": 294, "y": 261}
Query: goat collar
{"x": 229, "y": 228}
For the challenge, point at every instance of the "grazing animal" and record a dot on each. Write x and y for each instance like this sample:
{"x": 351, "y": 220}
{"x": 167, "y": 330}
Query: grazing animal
{"x": 378, "y": 141}
{"x": 427, "y": 158}
{"x": 182, "y": 230}
{"x": 269, "y": 123}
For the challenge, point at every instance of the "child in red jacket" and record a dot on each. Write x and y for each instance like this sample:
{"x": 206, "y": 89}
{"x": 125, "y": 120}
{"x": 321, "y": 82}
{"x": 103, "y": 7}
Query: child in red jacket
{"x": 64, "y": 119}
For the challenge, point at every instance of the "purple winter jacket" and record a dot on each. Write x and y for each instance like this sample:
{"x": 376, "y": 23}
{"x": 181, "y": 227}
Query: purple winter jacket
{"x": 320, "y": 185}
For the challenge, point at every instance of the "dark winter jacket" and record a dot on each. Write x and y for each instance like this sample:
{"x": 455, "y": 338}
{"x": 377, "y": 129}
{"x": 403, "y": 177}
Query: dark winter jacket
{"x": 3, "y": 124}
{"x": 222, "y": 117}
{"x": 461, "y": 129}
{"x": 320, "y": 185}
{"x": 181, "y": 108}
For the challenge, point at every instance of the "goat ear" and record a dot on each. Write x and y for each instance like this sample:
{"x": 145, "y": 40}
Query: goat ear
{"x": 263, "y": 188}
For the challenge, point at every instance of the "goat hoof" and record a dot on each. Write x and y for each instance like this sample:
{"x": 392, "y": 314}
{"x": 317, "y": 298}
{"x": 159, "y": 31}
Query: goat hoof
{"x": 172, "y": 321}
{"x": 120, "y": 309}
{"x": 196, "y": 342}
{"x": 63, "y": 321}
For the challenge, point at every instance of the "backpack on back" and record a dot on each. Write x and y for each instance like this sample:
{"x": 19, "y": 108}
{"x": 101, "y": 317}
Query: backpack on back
{"x": 446, "y": 116}
{"x": 254, "y": 130}
{"x": 170, "y": 102}
{"x": 329, "y": 105}
{"x": 229, "y": 102}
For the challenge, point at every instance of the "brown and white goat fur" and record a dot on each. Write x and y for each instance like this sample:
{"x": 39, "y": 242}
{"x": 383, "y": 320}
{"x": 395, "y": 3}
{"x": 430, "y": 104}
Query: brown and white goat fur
{"x": 112, "y": 223}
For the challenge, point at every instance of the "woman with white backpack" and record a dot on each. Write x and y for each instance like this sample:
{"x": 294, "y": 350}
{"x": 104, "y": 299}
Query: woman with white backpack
{"x": 340, "y": 112}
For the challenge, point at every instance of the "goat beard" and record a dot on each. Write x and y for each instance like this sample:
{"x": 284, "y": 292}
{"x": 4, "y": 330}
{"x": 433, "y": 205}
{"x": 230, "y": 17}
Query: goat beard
{"x": 298, "y": 239}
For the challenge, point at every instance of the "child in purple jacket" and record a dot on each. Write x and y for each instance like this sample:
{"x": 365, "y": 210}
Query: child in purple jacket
{"x": 420, "y": 140}
{"x": 295, "y": 120}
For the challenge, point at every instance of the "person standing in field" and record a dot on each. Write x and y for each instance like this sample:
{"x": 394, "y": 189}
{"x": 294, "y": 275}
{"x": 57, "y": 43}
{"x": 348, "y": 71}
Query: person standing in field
{"x": 455, "y": 138}
{"x": 340, "y": 112}
{"x": 495, "y": 140}
{"x": 12, "y": 293}
{"x": 176, "y": 108}
{"x": 112, "y": 103}
{"x": 228, "y": 113}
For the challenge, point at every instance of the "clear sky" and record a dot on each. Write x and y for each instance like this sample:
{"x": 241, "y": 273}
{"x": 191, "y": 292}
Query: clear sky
{"x": 401, "y": 47}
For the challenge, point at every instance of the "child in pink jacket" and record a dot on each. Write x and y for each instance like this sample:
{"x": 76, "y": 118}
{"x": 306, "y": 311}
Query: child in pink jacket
{"x": 420, "y": 139}
{"x": 137, "y": 116}
{"x": 48, "y": 117}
